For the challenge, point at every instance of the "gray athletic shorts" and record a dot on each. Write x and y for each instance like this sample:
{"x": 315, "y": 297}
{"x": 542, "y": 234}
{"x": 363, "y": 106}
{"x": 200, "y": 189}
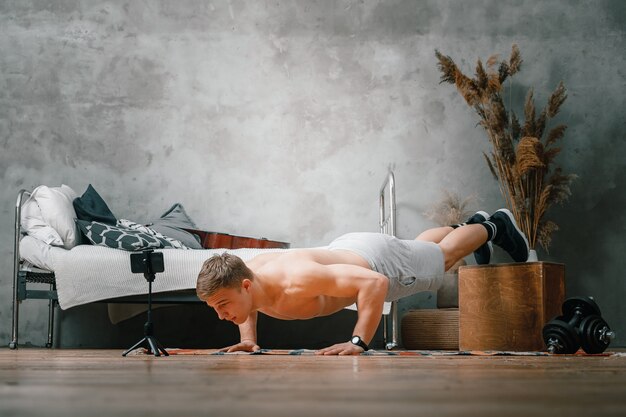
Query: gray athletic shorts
{"x": 412, "y": 266}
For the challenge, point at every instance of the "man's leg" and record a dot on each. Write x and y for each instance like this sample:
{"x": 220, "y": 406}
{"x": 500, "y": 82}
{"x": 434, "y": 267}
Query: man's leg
{"x": 500, "y": 228}
{"x": 460, "y": 242}
{"x": 435, "y": 234}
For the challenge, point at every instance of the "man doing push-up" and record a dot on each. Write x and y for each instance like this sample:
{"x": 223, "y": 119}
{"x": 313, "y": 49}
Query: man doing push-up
{"x": 362, "y": 268}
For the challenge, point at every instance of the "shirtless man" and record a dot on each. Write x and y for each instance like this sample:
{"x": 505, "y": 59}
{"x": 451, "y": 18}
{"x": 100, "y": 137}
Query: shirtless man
{"x": 362, "y": 268}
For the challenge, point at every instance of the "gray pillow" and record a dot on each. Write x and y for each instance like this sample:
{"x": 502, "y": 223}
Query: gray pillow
{"x": 172, "y": 223}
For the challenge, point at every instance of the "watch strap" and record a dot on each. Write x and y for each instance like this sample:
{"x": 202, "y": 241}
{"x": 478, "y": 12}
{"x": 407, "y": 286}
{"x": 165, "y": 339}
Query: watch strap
{"x": 356, "y": 340}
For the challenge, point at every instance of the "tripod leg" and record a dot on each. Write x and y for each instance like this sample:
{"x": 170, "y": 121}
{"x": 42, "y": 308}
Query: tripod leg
{"x": 160, "y": 346}
{"x": 135, "y": 346}
{"x": 153, "y": 346}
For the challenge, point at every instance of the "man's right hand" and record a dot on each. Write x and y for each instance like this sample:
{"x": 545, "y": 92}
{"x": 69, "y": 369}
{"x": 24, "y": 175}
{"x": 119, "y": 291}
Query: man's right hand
{"x": 243, "y": 346}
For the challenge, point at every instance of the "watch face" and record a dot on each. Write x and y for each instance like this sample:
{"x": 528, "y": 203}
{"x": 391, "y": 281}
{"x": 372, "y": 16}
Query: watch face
{"x": 356, "y": 340}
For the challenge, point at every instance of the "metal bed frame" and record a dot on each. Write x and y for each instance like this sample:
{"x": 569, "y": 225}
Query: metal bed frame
{"x": 22, "y": 279}
{"x": 387, "y": 224}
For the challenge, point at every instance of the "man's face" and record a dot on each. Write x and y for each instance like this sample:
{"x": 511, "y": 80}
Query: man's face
{"x": 232, "y": 304}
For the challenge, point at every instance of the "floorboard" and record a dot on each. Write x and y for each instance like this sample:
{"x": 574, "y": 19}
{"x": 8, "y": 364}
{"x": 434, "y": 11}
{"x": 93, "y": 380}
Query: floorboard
{"x": 38, "y": 382}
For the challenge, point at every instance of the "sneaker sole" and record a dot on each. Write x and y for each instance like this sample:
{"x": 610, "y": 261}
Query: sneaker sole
{"x": 508, "y": 213}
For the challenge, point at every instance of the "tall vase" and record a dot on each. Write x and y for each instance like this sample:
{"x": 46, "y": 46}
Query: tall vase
{"x": 532, "y": 256}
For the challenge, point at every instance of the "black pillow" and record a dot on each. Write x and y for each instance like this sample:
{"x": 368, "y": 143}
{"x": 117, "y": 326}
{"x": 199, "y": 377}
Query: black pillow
{"x": 91, "y": 207}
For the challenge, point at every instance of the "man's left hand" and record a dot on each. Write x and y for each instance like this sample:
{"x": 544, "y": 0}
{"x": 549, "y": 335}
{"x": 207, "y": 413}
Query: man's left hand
{"x": 346, "y": 348}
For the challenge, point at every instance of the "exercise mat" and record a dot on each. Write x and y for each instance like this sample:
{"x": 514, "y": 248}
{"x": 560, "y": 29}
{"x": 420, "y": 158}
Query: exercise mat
{"x": 310, "y": 352}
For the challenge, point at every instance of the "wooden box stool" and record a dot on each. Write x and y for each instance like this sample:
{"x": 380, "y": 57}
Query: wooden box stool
{"x": 505, "y": 306}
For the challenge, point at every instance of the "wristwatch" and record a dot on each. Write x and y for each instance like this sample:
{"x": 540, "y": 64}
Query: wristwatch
{"x": 356, "y": 340}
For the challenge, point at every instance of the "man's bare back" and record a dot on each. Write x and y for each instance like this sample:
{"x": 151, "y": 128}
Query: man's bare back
{"x": 280, "y": 272}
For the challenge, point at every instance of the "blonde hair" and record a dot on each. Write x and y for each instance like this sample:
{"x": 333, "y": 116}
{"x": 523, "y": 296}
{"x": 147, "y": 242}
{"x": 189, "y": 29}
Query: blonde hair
{"x": 221, "y": 271}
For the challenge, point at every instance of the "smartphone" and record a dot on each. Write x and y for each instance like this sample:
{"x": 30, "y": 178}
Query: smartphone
{"x": 139, "y": 262}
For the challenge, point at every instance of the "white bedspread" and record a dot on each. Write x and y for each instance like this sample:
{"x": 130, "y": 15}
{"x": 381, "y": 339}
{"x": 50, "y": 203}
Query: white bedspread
{"x": 88, "y": 273}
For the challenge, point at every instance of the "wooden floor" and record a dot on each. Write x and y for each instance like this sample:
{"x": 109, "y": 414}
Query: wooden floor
{"x": 37, "y": 382}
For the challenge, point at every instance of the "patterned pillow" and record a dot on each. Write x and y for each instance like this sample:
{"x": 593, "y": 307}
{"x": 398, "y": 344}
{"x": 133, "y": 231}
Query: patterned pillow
{"x": 166, "y": 242}
{"x": 117, "y": 237}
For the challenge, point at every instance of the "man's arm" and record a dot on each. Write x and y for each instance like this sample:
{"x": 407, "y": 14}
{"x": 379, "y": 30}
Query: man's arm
{"x": 247, "y": 331}
{"x": 368, "y": 287}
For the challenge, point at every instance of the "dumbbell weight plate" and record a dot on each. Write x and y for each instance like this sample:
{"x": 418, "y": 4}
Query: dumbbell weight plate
{"x": 564, "y": 333}
{"x": 590, "y": 329}
{"x": 585, "y": 305}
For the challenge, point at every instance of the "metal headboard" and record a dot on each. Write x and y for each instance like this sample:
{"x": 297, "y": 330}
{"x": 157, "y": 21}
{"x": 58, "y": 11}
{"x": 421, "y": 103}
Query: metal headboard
{"x": 387, "y": 224}
{"x": 16, "y": 266}
{"x": 19, "y": 280}
{"x": 387, "y": 220}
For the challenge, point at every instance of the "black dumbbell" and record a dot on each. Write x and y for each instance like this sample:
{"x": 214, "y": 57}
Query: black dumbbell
{"x": 560, "y": 336}
{"x": 580, "y": 325}
{"x": 595, "y": 334}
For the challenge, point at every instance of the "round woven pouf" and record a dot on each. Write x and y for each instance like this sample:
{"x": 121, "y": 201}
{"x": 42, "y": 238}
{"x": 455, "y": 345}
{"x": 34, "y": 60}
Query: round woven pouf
{"x": 436, "y": 329}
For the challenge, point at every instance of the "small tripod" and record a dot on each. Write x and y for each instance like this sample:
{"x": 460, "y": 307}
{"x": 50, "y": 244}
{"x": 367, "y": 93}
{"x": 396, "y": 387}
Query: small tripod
{"x": 149, "y": 263}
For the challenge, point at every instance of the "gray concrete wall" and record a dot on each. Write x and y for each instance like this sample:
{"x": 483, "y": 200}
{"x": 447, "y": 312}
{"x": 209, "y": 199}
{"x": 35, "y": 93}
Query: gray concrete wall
{"x": 280, "y": 119}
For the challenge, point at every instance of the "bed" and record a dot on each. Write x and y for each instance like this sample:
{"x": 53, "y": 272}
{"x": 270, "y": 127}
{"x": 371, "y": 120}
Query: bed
{"x": 87, "y": 273}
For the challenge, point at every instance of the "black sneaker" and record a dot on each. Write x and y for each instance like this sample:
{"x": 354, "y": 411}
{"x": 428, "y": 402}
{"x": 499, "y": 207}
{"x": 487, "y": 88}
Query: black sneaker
{"x": 482, "y": 254}
{"x": 511, "y": 239}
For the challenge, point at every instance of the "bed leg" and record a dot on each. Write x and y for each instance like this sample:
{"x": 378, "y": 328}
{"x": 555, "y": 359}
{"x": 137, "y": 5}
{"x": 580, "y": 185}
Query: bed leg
{"x": 394, "y": 327}
{"x": 51, "y": 305}
{"x": 16, "y": 308}
{"x": 385, "y": 331}
{"x": 15, "y": 312}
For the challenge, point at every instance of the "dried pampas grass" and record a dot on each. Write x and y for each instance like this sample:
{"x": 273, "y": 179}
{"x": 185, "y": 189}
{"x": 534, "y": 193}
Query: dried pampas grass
{"x": 522, "y": 156}
{"x": 450, "y": 209}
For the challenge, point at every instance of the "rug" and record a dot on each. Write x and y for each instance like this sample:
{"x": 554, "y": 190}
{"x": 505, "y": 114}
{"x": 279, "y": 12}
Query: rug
{"x": 310, "y": 352}
{"x": 371, "y": 352}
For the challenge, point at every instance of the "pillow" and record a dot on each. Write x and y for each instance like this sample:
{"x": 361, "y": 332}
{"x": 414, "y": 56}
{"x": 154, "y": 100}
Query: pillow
{"x": 171, "y": 224}
{"x": 34, "y": 225}
{"x": 166, "y": 241}
{"x": 48, "y": 215}
{"x": 102, "y": 234}
{"x": 91, "y": 207}
{"x": 38, "y": 253}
